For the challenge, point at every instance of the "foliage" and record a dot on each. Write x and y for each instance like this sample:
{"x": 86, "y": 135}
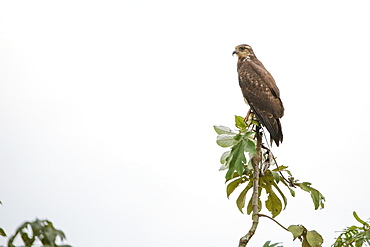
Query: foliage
{"x": 239, "y": 170}
{"x": 239, "y": 162}
{"x": 267, "y": 244}
{"x": 271, "y": 178}
{"x": 354, "y": 236}
{"x": 2, "y": 232}
{"x": 38, "y": 231}
{"x": 308, "y": 238}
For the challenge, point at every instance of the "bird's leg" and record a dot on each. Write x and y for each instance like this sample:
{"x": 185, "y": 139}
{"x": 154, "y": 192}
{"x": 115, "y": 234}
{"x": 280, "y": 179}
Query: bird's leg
{"x": 266, "y": 148}
{"x": 247, "y": 117}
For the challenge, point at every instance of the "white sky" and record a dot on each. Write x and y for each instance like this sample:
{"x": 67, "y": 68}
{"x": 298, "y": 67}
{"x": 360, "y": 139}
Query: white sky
{"x": 107, "y": 108}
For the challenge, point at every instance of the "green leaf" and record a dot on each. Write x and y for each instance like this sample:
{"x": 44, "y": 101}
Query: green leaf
{"x": 50, "y": 235}
{"x": 224, "y": 159}
{"x": 273, "y": 245}
{"x": 292, "y": 192}
{"x": 230, "y": 173}
{"x": 314, "y": 239}
{"x": 2, "y": 232}
{"x": 254, "y": 122}
{"x": 276, "y": 176}
{"x": 250, "y": 147}
{"x": 232, "y": 186}
{"x": 234, "y": 175}
{"x": 305, "y": 242}
{"x": 240, "y": 202}
{"x": 273, "y": 204}
{"x": 236, "y": 159}
{"x": 296, "y": 230}
{"x": 281, "y": 194}
{"x": 26, "y": 240}
{"x": 36, "y": 226}
{"x": 60, "y": 234}
{"x": 224, "y": 156}
{"x": 317, "y": 198}
{"x": 360, "y": 220}
{"x": 305, "y": 186}
{"x": 280, "y": 168}
{"x": 226, "y": 140}
{"x": 240, "y": 159}
{"x": 267, "y": 244}
{"x": 240, "y": 123}
{"x": 223, "y": 130}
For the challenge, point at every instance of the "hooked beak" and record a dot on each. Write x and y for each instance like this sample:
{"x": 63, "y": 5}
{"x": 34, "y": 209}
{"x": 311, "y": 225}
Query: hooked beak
{"x": 234, "y": 52}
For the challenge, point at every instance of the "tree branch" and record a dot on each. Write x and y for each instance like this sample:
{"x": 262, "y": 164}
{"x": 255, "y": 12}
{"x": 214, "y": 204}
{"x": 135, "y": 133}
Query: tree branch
{"x": 256, "y": 160}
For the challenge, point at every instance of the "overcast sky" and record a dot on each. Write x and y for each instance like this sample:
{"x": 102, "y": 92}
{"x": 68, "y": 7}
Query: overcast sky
{"x": 107, "y": 108}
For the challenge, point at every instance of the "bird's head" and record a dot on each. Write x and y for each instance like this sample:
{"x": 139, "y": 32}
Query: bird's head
{"x": 243, "y": 51}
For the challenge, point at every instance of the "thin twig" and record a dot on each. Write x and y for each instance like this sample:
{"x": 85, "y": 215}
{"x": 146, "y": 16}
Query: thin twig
{"x": 256, "y": 160}
{"x": 263, "y": 215}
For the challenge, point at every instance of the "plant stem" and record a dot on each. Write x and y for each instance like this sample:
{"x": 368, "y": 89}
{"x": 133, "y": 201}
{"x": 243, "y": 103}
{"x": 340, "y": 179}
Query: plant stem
{"x": 263, "y": 215}
{"x": 256, "y": 160}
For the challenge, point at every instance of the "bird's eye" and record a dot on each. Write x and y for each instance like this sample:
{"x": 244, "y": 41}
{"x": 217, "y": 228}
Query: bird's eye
{"x": 242, "y": 48}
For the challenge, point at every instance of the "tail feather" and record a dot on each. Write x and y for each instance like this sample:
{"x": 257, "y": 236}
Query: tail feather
{"x": 273, "y": 126}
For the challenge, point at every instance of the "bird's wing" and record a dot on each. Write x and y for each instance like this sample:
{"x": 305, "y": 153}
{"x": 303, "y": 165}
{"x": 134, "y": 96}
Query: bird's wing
{"x": 259, "y": 89}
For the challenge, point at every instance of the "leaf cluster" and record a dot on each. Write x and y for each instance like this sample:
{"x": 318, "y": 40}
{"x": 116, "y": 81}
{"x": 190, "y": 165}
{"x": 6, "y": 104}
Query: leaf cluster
{"x": 354, "y": 236}
{"x": 38, "y": 231}
{"x": 276, "y": 200}
{"x": 308, "y": 238}
{"x": 246, "y": 157}
{"x": 237, "y": 162}
{"x": 240, "y": 143}
{"x": 317, "y": 198}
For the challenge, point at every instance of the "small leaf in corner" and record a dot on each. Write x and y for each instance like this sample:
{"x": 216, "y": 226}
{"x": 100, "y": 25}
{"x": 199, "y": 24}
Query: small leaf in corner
{"x": 2, "y": 232}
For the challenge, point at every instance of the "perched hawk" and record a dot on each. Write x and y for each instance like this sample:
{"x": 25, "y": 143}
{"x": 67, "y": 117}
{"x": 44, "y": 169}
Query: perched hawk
{"x": 260, "y": 91}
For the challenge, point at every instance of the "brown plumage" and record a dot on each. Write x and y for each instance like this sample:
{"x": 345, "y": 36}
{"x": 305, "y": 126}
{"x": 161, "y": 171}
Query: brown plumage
{"x": 260, "y": 91}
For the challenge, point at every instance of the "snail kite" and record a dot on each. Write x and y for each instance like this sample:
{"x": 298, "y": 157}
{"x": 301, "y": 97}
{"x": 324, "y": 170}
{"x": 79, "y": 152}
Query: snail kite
{"x": 260, "y": 91}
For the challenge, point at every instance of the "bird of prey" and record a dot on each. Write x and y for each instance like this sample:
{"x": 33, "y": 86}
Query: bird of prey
{"x": 260, "y": 91}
